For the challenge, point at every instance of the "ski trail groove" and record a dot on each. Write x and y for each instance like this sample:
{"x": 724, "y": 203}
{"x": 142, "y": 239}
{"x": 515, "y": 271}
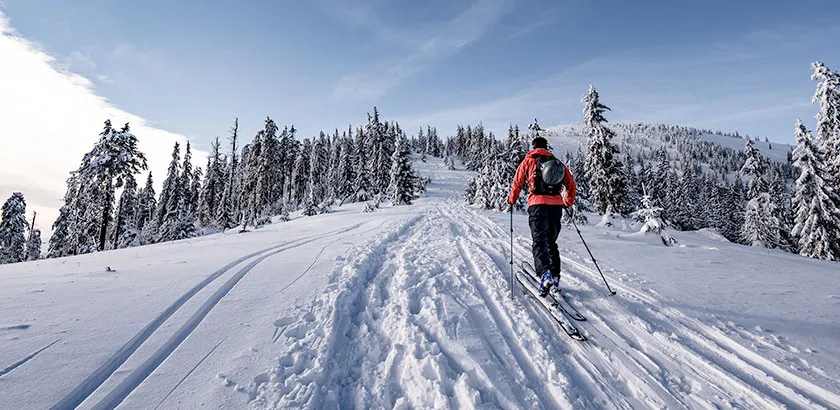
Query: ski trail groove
{"x": 188, "y": 374}
{"x": 644, "y": 375}
{"x": 547, "y": 398}
{"x": 116, "y": 396}
{"x": 594, "y": 388}
{"x": 589, "y": 373}
{"x": 21, "y": 362}
{"x": 82, "y": 391}
{"x": 720, "y": 354}
{"x": 317, "y": 258}
{"x": 685, "y": 362}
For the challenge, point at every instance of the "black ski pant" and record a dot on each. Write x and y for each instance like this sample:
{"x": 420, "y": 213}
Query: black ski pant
{"x": 545, "y": 227}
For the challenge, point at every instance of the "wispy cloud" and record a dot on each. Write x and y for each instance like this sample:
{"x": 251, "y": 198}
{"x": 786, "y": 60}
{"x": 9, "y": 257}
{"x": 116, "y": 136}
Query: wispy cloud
{"x": 542, "y": 20}
{"x": 51, "y": 117}
{"x": 78, "y": 60}
{"x": 743, "y": 84}
{"x": 425, "y": 46}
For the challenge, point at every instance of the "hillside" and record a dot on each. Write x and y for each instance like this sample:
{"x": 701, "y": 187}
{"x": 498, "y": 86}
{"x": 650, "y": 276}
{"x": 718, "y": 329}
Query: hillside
{"x": 653, "y": 136}
{"x": 408, "y": 307}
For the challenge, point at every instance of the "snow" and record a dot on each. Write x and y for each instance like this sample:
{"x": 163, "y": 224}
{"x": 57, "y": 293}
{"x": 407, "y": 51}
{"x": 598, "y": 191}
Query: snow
{"x": 410, "y": 307}
{"x": 770, "y": 150}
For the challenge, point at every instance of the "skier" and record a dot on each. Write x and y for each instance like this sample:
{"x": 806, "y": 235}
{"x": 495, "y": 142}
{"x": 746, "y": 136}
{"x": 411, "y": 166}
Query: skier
{"x": 551, "y": 190}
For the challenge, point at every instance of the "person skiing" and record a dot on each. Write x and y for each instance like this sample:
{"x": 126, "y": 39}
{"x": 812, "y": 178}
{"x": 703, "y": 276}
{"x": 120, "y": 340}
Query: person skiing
{"x": 551, "y": 189}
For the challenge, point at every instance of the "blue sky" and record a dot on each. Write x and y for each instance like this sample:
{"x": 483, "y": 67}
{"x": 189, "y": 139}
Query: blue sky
{"x": 190, "y": 66}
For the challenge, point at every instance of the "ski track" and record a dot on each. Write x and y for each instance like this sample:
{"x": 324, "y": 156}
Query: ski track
{"x": 23, "y": 361}
{"x": 762, "y": 382}
{"x": 172, "y": 390}
{"x": 422, "y": 319}
{"x": 102, "y": 373}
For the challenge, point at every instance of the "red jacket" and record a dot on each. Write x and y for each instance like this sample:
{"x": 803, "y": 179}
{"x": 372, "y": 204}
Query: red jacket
{"x": 525, "y": 173}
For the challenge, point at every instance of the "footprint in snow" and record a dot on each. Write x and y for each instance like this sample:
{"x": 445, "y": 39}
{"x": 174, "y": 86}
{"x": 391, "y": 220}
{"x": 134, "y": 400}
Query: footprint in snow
{"x": 16, "y": 327}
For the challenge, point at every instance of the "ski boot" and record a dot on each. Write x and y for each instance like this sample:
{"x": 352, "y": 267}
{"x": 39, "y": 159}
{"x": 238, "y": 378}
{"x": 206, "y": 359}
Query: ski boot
{"x": 549, "y": 284}
{"x": 555, "y": 288}
{"x": 546, "y": 280}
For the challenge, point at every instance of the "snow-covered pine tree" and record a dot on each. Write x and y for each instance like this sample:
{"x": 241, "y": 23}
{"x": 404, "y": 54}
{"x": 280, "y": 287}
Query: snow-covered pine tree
{"x": 782, "y": 199}
{"x": 310, "y": 203}
{"x": 377, "y": 153}
{"x": 514, "y": 154}
{"x": 249, "y": 196}
{"x": 126, "y": 232}
{"x": 188, "y": 174}
{"x": 579, "y": 170}
{"x": 300, "y": 176}
{"x": 482, "y": 185}
{"x": 65, "y": 223}
{"x": 33, "y": 245}
{"x": 172, "y": 201}
{"x": 288, "y": 153}
{"x": 333, "y": 190}
{"x": 423, "y": 145}
{"x": 318, "y": 162}
{"x": 385, "y": 151}
{"x": 607, "y": 186}
{"x": 362, "y": 190}
{"x": 753, "y": 171}
{"x": 113, "y": 158}
{"x": 632, "y": 178}
{"x": 90, "y": 203}
{"x": 403, "y": 186}
{"x": 650, "y": 214}
{"x": 225, "y": 212}
{"x": 170, "y": 187}
{"x": 195, "y": 193}
{"x": 828, "y": 121}
{"x": 146, "y": 205}
{"x": 501, "y": 180}
{"x": 661, "y": 184}
{"x": 186, "y": 221}
{"x": 687, "y": 207}
{"x": 432, "y": 142}
{"x": 477, "y": 147}
{"x": 213, "y": 188}
{"x": 13, "y": 226}
{"x": 734, "y": 210}
{"x": 345, "y": 174}
{"x": 179, "y": 221}
{"x": 817, "y": 221}
{"x": 761, "y": 227}
{"x": 270, "y": 170}
{"x": 711, "y": 213}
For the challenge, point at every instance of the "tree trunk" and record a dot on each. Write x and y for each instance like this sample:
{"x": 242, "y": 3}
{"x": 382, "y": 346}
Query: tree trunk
{"x": 106, "y": 214}
{"x": 117, "y": 227}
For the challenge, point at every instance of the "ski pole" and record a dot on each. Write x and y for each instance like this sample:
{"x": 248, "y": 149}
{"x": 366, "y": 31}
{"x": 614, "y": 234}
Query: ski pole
{"x": 511, "y": 251}
{"x": 612, "y": 292}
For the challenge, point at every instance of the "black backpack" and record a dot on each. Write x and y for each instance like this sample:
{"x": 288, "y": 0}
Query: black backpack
{"x": 549, "y": 176}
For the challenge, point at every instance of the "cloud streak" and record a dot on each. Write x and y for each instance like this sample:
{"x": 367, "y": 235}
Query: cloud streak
{"x": 748, "y": 83}
{"x": 51, "y": 117}
{"x": 425, "y": 46}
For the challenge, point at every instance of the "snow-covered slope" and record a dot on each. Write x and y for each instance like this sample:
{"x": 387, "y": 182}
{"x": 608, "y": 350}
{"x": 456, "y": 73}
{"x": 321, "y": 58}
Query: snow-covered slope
{"x": 409, "y": 307}
{"x": 570, "y": 137}
{"x": 773, "y": 151}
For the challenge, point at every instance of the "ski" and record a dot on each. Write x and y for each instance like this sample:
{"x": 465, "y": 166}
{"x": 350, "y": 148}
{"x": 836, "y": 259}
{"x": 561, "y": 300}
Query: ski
{"x": 551, "y": 306}
{"x": 562, "y": 303}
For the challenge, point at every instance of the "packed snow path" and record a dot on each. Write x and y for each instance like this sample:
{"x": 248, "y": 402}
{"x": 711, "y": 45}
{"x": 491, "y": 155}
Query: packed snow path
{"x": 423, "y": 319}
{"x": 406, "y": 307}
